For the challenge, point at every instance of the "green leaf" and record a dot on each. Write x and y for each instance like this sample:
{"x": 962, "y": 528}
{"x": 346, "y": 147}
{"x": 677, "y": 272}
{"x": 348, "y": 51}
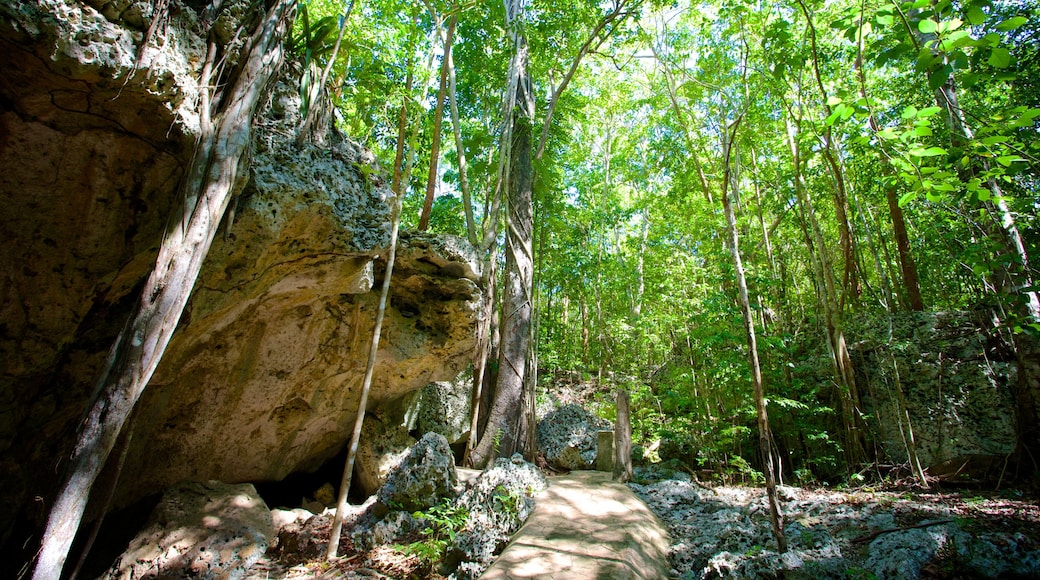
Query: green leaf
{"x": 927, "y": 26}
{"x": 939, "y": 77}
{"x": 907, "y": 198}
{"x": 831, "y": 101}
{"x": 994, "y": 139}
{"x": 928, "y": 112}
{"x": 1012, "y": 23}
{"x": 1007, "y": 160}
{"x": 927, "y": 152}
{"x": 976, "y": 16}
{"x": 923, "y": 131}
{"x": 999, "y": 58}
{"x": 909, "y": 112}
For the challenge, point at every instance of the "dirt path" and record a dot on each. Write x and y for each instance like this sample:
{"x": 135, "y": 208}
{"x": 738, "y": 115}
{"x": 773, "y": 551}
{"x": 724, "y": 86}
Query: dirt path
{"x": 586, "y": 527}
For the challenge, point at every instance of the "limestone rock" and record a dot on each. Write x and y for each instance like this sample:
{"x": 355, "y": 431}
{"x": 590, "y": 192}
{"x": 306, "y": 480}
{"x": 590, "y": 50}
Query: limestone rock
{"x": 199, "y": 530}
{"x": 279, "y": 326}
{"x": 957, "y": 387}
{"x": 444, "y": 407}
{"x": 567, "y": 436}
{"x": 500, "y": 501}
{"x": 423, "y": 477}
{"x": 263, "y": 375}
{"x": 383, "y": 444}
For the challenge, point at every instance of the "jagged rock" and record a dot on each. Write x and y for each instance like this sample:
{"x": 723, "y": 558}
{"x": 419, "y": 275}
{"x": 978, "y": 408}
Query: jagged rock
{"x": 199, "y": 530}
{"x": 957, "y": 387}
{"x": 263, "y": 376}
{"x": 444, "y": 407}
{"x": 499, "y": 502}
{"x": 725, "y": 532}
{"x": 423, "y": 477}
{"x": 567, "y": 437}
{"x": 384, "y": 443}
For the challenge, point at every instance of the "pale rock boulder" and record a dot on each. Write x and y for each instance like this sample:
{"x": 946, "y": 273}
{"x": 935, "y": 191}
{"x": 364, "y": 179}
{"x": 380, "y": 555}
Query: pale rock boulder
{"x": 384, "y": 443}
{"x": 199, "y": 530}
{"x": 270, "y": 355}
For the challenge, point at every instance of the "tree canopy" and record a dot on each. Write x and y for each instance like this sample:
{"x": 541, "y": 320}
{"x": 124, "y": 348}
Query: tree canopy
{"x": 881, "y": 156}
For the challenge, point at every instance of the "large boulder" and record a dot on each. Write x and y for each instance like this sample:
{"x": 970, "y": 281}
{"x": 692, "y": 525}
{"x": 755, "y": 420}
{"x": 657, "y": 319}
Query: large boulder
{"x": 444, "y": 407}
{"x": 199, "y": 530}
{"x": 568, "y": 437}
{"x": 954, "y": 380}
{"x": 499, "y": 502}
{"x": 384, "y": 443}
{"x": 263, "y": 375}
{"x": 424, "y": 477}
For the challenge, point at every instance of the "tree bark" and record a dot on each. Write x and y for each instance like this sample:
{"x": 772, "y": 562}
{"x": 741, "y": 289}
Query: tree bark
{"x": 460, "y": 149}
{"x": 503, "y": 429}
{"x": 438, "y": 119}
{"x": 211, "y": 182}
{"x": 775, "y": 517}
{"x": 623, "y": 439}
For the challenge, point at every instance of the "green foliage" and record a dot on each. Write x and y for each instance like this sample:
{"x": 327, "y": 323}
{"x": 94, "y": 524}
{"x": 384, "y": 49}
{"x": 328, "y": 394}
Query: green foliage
{"x": 443, "y": 521}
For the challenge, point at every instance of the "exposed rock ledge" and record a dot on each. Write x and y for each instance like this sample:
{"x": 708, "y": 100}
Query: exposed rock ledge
{"x": 262, "y": 377}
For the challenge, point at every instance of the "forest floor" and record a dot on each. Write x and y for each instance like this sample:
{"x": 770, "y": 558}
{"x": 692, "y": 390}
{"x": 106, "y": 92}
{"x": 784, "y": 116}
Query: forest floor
{"x": 724, "y": 531}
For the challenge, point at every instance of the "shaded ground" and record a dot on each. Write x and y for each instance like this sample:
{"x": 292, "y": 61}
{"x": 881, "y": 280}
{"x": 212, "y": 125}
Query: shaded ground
{"x": 586, "y": 527}
{"x": 724, "y": 531}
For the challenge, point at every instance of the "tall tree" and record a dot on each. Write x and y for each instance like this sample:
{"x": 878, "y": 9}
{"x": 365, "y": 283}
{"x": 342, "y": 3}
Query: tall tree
{"x": 503, "y": 426}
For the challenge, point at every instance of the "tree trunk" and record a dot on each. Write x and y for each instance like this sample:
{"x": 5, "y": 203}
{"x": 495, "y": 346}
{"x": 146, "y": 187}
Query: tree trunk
{"x": 438, "y": 118}
{"x": 366, "y": 387}
{"x": 211, "y": 181}
{"x": 500, "y": 436}
{"x": 775, "y": 517}
{"x": 460, "y": 149}
{"x": 836, "y": 345}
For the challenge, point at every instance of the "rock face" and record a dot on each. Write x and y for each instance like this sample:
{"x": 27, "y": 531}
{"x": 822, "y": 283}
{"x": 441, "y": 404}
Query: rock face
{"x": 424, "y": 476}
{"x": 199, "y": 530}
{"x": 568, "y": 437}
{"x": 263, "y": 375}
{"x": 956, "y": 385}
{"x": 444, "y": 407}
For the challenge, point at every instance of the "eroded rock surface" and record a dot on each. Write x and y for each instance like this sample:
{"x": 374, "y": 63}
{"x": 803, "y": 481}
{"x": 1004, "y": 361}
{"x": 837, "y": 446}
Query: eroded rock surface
{"x": 956, "y": 382}
{"x": 567, "y": 436}
{"x": 262, "y": 377}
{"x": 199, "y": 530}
{"x": 724, "y": 532}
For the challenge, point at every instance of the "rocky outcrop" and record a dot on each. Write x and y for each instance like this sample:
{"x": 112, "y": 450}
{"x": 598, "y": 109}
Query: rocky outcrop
{"x": 568, "y": 437}
{"x": 263, "y": 376}
{"x": 443, "y": 407}
{"x": 423, "y": 477}
{"x": 955, "y": 382}
{"x": 199, "y": 530}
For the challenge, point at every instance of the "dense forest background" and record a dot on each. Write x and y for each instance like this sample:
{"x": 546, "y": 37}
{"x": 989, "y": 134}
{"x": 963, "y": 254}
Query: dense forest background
{"x": 879, "y": 157}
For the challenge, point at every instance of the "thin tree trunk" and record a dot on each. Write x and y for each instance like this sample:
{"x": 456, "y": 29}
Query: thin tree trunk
{"x": 402, "y": 114}
{"x": 848, "y": 396}
{"x": 438, "y": 119}
{"x": 832, "y": 156}
{"x": 775, "y": 517}
{"x": 460, "y": 149}
{"x": 366, "y": 387}
{"x": 907, "y": 265}
{"x": 211, "y": 181}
